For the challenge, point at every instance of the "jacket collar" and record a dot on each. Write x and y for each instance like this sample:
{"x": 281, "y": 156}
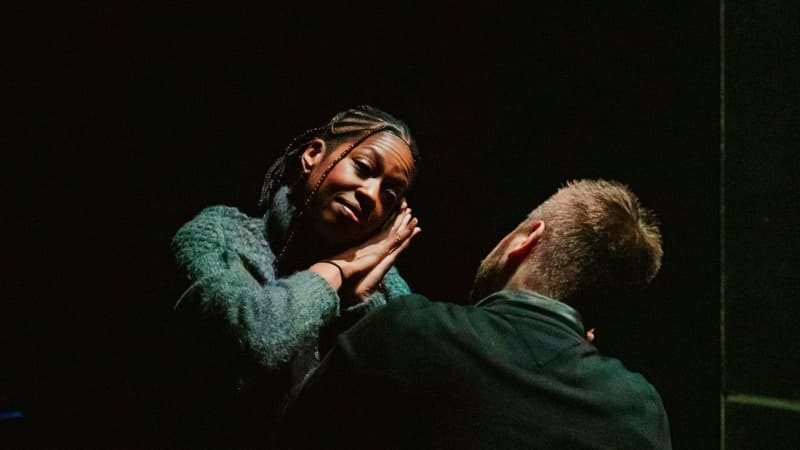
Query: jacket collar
{"x": 514, "y": 301}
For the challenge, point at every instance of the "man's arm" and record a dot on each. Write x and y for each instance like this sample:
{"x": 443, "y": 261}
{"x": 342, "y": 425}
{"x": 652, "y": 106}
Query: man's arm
{"x": 338, "y": 407}
{"x": 358, "y": 396}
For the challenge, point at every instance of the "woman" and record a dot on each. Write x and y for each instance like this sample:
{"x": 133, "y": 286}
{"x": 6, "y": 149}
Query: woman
{"x": 336, "y": 220}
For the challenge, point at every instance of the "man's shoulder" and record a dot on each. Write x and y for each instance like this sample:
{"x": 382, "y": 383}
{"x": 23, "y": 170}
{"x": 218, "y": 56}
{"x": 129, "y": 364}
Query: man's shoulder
{"x": 410, "y": 303}
{"x": 625, "y": 384}
{"x": 412, "y": 340}
{"x": 413, "y": 309}
{"x": 636, "y": 404}
{"x": 416, "y": 318}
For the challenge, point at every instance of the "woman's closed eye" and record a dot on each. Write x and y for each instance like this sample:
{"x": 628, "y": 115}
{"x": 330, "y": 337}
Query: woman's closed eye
{"x": 366, "y": 169}
{"x": 363, "y": 168}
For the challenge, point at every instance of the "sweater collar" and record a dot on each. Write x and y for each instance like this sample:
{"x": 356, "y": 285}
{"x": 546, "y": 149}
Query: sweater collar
{"x": 535, "y": 303}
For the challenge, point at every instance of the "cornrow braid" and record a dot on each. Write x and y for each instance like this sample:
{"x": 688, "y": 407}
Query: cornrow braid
{"x": 275, "y": 173}
{"x": 348, "y": 123}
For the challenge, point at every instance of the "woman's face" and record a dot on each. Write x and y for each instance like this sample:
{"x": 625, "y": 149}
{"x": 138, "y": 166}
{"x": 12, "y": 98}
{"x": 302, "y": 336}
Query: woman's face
{"x": 361, "y": 191}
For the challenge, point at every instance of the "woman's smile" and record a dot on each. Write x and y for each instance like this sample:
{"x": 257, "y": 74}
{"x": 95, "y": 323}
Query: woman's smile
{"x": 349, "y": 209}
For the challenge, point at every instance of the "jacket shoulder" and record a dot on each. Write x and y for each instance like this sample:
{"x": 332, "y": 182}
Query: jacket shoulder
{"x": 416, "y": 321}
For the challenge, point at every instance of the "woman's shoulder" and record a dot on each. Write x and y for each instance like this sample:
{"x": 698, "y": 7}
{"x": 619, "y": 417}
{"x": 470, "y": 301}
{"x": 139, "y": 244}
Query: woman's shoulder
{"x": 220, "y": 226}
{"x": 221, "y": 212}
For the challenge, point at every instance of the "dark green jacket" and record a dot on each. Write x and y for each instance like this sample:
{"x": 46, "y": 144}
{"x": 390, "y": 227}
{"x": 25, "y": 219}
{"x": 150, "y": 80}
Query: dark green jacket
{"x": 514, "y": 371}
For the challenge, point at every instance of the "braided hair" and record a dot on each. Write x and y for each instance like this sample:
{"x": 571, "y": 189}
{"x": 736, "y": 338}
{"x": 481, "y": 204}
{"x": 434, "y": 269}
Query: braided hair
{"x": 358, "y": 124}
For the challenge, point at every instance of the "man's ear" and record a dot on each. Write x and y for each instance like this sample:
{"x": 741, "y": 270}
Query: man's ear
{"x": 522, "y": 246}
{"x": 312, "y": 155}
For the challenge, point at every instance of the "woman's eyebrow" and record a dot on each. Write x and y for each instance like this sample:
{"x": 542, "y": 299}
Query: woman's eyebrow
{"x": 380, "y": 166}
{"x": 379, "y": 163}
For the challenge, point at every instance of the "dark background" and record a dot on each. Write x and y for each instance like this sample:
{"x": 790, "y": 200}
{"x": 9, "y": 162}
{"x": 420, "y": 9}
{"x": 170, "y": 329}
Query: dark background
{"x": 129, "y": 120}
{"x": 761, "y": 160}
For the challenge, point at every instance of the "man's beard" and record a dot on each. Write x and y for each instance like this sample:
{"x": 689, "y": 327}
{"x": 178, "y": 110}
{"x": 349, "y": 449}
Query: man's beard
{"x": 489, "y": 278}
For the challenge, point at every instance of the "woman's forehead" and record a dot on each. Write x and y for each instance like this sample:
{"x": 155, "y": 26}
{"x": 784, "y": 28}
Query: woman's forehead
{"x": 389, "y": 150}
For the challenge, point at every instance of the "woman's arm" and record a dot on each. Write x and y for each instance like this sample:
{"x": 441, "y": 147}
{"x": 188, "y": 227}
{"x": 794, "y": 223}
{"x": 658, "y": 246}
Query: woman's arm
{"x": 394, "y": 286}
{"x": 268, "y": 317}
{"x": 271, "y": 318}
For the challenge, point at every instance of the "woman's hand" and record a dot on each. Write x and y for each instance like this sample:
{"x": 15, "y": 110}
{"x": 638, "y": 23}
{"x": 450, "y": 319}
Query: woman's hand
{"x": 360, "y": 260}
{"x": 365, "y": 265}
{"x": 365, "y": 286}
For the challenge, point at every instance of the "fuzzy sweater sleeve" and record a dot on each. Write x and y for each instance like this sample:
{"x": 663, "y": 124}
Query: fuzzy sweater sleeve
{"x": 393, "y": 286}
{"x": 229, "y": 267}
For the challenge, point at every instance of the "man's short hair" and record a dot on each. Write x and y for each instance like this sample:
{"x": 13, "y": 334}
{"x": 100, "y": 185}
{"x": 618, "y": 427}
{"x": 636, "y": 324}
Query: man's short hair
{"x": 598, "y": 240}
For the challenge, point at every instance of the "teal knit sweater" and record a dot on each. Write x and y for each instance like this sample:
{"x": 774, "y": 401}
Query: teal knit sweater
{"x": 227, "y": 258}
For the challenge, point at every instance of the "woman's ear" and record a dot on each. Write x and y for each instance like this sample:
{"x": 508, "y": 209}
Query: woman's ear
{"x": 312, "y": 155}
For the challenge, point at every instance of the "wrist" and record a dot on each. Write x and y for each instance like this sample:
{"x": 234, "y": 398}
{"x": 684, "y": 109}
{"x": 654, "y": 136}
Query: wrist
{"x": 349, "y": 268}
{"x": 338, "y": 266}
{"x": 329, "y": 272}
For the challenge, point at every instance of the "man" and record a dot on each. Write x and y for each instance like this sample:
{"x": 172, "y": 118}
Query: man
{"x": 517, "y": 369}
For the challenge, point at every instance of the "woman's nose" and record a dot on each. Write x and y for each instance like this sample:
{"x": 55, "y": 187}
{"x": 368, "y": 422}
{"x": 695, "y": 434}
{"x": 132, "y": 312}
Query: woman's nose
{"x": 368, "y": 194}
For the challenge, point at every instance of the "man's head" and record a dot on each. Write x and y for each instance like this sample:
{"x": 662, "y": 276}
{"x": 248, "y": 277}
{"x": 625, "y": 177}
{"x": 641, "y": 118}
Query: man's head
{"x": 591, "y": 237}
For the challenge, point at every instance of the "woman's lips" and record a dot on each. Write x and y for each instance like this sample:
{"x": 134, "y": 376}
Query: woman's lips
{"x": 349, "y": 210}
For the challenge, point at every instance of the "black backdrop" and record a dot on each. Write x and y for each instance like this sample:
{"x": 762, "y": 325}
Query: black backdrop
{"x": 127, "y": 120}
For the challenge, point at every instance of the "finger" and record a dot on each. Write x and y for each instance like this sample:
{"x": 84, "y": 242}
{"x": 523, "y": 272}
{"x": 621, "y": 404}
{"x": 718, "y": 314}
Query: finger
{"x": 410, "y": 226}
{"x": 394, "y": 221}
{"x": 403, "y": 245}
{"x": 406, "y": 220}
{"x": 386, "y": 263}
{"x": 399, "y": 220}
{"x": 371, "y": 279}
{"x": 404, "y": 233}
{"x": 401, "y": 224}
